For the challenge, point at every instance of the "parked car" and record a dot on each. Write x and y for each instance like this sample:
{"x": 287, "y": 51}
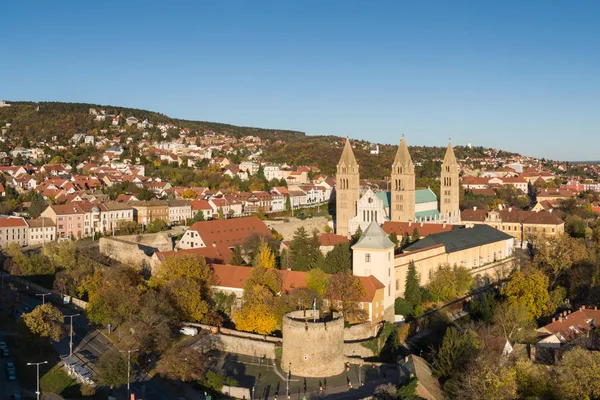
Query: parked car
{"x": 2, "y": 345}
{"x": 5, "y": 352}
{"x": 15, "y": 396}
{"x": 10, "y": 367}
{"x": 189, "y": 330}
{"x": 11, "y": 376}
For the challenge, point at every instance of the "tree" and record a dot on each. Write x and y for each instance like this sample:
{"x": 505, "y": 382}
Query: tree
{"x": 46, "y": 321}
{"x": 220, "y": 213}
{"x": 188, "y": 194}
{"x": 455, "y": 354}
{"x": 339, "y": 259}
{"x": 299, "y": 251}
{"x": 514, "y": 322}
{"x": 356, "y": 236}
{"x": 183, "y": 363}
{"x": 386, "y": 391}
{"x": 259, "y": 312}
{"x": 394, "y": 238}
{"x": 111, "y": 369}
{"x": 487, "y": 379}
{"x": 412, "y": 288}
{"x": 152, "y": 326}
{"x": 157, "y": 225}
{"x": 556, "y": 255}
{"x": 237, "y": 258}
{"x": 529, "y": 288}
{"x": 348, "y": 289}
{"x": 577, "y": 375}
{"x": 265, "y": 257}
{"x": 415, "y": 235}
{"x": 317, "y": 281}
{"x": 38, "y": 205}
{"x": 532, "y": 380}
{"x": 448, "y": 283}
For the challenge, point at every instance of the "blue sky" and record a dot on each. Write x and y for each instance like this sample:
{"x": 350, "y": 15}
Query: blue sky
{"x": 521, "y": 76}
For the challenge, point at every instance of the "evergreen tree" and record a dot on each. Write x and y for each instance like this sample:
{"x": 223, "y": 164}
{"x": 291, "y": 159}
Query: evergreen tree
{"x": 394, "y": 238}
{"x": 405, "y": 241}
{"x": 300, "y": 254}
{"x": 412, "y": 289}
{"x": 356, "y": 237}
{"x": 415, "y": 235}
{"x": 316, "y": 256}
{"x": 237, "y": 258}
{"x": 339, "y": 259}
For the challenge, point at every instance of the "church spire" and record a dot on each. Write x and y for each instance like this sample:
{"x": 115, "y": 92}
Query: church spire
{"x": 402, "y": 155}
{"x": 347, "y": 157}
{"x": 449, "y": 158}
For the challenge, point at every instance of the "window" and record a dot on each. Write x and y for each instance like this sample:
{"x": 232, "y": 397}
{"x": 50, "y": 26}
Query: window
{"x": 368, "y": 257}
{"x": 389, "y": 272}
{"x": 397, "y": 284}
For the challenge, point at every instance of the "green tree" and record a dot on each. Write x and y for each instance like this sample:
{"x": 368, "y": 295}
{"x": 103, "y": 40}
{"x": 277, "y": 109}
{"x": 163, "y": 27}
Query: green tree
{"x": 448, "y": 283}
{"x": 412, "y": 289}
{"x": 532, "y": 380}
{"x": 300, "y": 253}
{"x": 339, "y": 259}
{"x": 455, "y": 354}
{"x": 237, "y": 258}
{"x": 183, "y": 363}
{"x": 356, "y": 236}
{"x": 415, "y": 235}
{"x": 157, "y": 225}
{"x": 111, "y": 369}
{"x": 557, "y": 256}
{"x": 514, "y": 322}
{"x": 46, "y": 321}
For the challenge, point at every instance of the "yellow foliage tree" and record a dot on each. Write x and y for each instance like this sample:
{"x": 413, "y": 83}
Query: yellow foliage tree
{"x": 264, "y": 257}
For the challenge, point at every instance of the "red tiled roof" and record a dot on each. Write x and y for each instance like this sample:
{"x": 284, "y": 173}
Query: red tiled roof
{"x": 12, "y": 222}
{"x": 230, "y": 232}
{"x": 573, "y": 324}
{"x": 331, "y": 239}
{"x": 200, "y": 205}
{"x": 213, "y": 255}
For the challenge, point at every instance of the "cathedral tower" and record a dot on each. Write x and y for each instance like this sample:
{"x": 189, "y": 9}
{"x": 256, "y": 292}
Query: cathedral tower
{"x": 346, "y": 189}
{"x": 403, "y": 185}
{"x": 449, "y": 206}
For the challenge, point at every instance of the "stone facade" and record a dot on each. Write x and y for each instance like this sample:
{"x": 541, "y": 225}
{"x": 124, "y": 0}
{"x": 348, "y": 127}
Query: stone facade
{"x": 346, "y": 190}
{"x": 312, "y": 349}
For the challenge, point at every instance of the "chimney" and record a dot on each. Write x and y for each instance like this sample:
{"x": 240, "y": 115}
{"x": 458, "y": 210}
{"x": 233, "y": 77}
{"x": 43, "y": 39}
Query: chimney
{"x": 474, "y": 208}
{"x": 509, "y": 209}
{"x": 554, "y": 319}
{"x": 550, "y": 210}
{"x": 444, "y": 225}
{"x": 409, "y": 223}
{"x": 500, "y": 207}
{"x": 421, "y": 224}
{"x": 214, "y": 244}
{"x": 560, "y": 319}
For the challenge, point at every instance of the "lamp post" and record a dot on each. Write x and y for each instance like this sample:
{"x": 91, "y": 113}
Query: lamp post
{"x": 37, "y": 365}
{"x": 128, "y": 367}
{"x": 43, "y": 296}
{"x": 71, "y": 339}
{"x": 287, "y": 382}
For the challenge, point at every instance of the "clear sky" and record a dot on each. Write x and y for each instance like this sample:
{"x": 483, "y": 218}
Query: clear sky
{"x": 516, "y": 75}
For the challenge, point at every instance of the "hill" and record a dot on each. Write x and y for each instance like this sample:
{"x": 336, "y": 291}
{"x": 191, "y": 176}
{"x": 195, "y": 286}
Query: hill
{"x": 40, "y": 122}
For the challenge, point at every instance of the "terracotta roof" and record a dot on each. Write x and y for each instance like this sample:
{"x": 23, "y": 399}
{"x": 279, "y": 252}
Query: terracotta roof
{"x": 230, "y": 232}
{"x": 234, "y": 276}
{"x": 40, "y": 222}
{"x": 12, "y": 222}
{"x": 572, "y": 325}
{"x": 67, "y": 209}
{"x": 213, "y": 255}
{"x": 424, "y": 229}
{"x": 331, "y": 239}
{"x": 200, "y": 205}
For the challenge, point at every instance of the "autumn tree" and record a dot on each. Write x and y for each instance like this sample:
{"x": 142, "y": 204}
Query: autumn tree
{"x": 577, "y": 375}
{"x": 111, "y": 369}
{"x": 557, "y": 255}
{"x": 183, "y": 363}
{"x": 349, "y": 290}
{"x": 487, "y": 379}
{"x": 339, "y": 259}
{"x": 113, "y": 295}
{"x": 530, "y": 289}
{"x": 187, "y": 280}
{"x": 532, "y": 380}
{"x": 317, "y": 281}
{"x": 152, "y": 326}
{"x": 46, "y": 321}
{"x": 513, "y": 321}
{"x": 264, "y": 257}
{"x": 448, "y": 283}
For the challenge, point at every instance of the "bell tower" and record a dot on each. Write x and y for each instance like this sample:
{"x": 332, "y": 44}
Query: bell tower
{"x": 403, "y": 185}
{"x": 449, "y": 195}
{"x": 346, "y": 189}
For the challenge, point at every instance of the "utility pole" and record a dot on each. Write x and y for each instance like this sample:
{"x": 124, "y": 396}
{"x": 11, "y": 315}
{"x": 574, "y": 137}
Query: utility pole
{"x": 43, "y": 296}
{"x": 287, "y": 382}
{"x": 38, "y": 376}
{"x": 128, "y": 367}
{"x": 71, "y": 340}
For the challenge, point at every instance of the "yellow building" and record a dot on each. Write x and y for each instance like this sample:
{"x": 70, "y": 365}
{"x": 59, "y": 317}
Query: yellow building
{"x": 152, "y": 210}
{"x": 466, "y": 247}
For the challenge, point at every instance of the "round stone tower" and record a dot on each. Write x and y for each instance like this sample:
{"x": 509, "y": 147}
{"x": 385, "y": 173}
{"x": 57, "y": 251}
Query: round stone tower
{"x": 313, "y": 348}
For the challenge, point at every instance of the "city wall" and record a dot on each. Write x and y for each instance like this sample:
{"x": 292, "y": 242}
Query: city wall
{"x": 287, "y": 229}
{"x": 129, "y": 253}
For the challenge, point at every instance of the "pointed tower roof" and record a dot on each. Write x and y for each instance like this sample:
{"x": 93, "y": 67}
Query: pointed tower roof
{"x": 348, "y": 155}
{"x": 402, "y": 155}
{"x": 374, "y": 238}
{"x": 450, "y": 158}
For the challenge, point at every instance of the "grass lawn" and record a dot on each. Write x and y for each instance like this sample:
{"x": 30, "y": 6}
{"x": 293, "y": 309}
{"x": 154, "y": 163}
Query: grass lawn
{"x": 56, "y": 380}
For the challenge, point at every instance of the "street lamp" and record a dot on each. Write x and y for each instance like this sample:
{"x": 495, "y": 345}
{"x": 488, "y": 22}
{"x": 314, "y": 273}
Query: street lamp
{"x": 287, "y": 382}
{"x": 38, "y": 376}
{"x": 43, "y": 296}
{"x": 71, "y": 340}
{"x": 128, "y": 367}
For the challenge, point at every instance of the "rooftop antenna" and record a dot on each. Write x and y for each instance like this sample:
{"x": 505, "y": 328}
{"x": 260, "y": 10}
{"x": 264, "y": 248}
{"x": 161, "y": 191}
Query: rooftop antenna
{"x": 402, "y": 133}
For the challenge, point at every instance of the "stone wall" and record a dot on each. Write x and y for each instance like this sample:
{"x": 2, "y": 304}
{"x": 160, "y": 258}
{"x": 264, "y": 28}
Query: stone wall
{"x": 287, "y": 229}
{"x": 362, "y": 331}
{"x": 236, "y": 344}
{"x": 129, "y": 253}
{"x": 313, "y": 349}
{"x": 356, "y": 349}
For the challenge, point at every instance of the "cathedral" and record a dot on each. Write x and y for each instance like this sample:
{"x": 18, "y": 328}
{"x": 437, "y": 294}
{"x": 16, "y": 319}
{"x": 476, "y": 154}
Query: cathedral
{"x": 403, "y": 203}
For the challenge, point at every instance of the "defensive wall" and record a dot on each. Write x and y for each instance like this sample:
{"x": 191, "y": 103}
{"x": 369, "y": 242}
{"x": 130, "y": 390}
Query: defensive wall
{"x": 136, "y": 250}
{"x": 313, "y": 348}
{"x": 287, "y": 228}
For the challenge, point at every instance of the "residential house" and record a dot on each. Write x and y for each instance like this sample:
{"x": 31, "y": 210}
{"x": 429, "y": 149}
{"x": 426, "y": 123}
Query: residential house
{"x": 41, "y": 230}
{"x": 13, "y": 230}
{"x": 146, "y": 211}
{"x": 180, "y": 211}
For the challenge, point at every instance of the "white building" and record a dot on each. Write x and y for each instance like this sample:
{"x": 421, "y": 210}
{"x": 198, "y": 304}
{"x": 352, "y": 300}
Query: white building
{"x": 13, "y": 230}
{"x": 41, "y": 230}
{"x": 272, "y": 172}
